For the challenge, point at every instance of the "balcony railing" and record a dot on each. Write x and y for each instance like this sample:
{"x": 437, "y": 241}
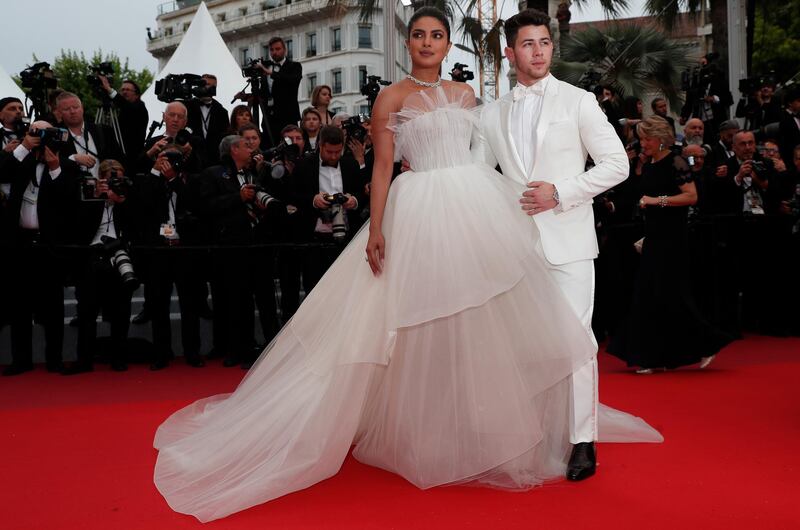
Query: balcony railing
{"x": 169, "y": 7}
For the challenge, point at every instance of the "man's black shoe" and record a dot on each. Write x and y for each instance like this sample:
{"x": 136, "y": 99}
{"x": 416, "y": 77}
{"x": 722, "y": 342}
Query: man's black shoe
{"x": 142, "y": 318}
{"x": 16, "y": 369}
{"x": 195, "y": 361}
{"x": 54, "y": 367}
{"x": 159, "y": 364}
{"x": 582, "y": 463}
{"x": 77, "y": 368}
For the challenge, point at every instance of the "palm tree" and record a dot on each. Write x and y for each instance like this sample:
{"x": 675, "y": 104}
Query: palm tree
{"x": 634, "y": 60}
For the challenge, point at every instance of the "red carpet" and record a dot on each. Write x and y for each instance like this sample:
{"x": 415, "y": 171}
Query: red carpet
{"x": 77, "y": 454}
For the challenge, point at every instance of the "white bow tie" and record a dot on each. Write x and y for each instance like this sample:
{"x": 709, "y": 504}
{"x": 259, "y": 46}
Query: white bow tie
{"x": 521, "y": 91}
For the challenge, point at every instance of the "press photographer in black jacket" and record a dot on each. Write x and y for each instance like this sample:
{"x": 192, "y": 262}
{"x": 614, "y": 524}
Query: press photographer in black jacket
{"x": 279, "y": 87}
{"x": 132, "y": 115}
{"x": 105, "y": 277}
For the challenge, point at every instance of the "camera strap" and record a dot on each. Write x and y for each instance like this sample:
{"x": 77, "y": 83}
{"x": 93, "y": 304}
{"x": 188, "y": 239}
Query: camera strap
{"x": 85, "y": 145}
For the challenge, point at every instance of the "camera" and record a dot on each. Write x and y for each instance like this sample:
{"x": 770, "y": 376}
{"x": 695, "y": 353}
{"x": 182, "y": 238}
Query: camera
{"x": 52, "y": 137}
{"x": 372, "y": 87}
{"x": 176, "y": 160}
{"x": 251, "y": 69}
{"x": 354, "y": 127}
{"x": 181, "y": 138}
{"x": 262, "y": 197}
{"x": 19, "y": 128}
{"x": 120, "y": 260}
{"x": 119, "y": 184}
{"x": 183, "y": 87}
{"x": 634, "y": 146}
{"x": 103, "y": 69}
{"x": 461, "y": 74}
{"x": 335, "y": 198}
{"x": 759, "y": 166}
{"x": 285, "y": 151}
{"x": 38, "y": 77}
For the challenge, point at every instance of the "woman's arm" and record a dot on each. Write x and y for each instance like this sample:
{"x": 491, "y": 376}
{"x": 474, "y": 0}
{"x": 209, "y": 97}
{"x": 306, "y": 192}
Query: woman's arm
{"x": 383, "y": 144}
{"x": 687, "y": 197}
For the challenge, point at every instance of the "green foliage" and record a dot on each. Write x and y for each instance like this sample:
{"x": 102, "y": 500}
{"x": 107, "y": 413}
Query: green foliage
{"x": 776, "y": 43}
{"x": 72, "y": 68}
{"x": 636, "y": 61}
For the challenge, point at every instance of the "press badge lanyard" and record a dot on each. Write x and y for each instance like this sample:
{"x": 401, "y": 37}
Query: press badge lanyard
{"x": 85, "y": 139}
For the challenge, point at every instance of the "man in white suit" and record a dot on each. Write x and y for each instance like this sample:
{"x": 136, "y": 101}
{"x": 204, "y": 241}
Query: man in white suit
{"x": 540, "y": 135}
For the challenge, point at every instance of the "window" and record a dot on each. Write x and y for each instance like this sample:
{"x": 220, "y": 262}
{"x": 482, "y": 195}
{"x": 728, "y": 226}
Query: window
{"x": 220, "y": 17}
{"x": 336, "y": 39}
{"x": 244, "y": 56}
{"x": 289, "y": 49}
{"x": 311, "y": 44}
{"x": 242, "y": 11}
{"x": 365, "y": 36}
{"x": 312, "y": 83}
{"x": 265, "y": 51}
{"x": 363, "y": 109}
{"x": 167, "y": 32}
{"x": 336, "y": 81}
{"x": 185, "y": 26}
{"x": 362, "y": 76}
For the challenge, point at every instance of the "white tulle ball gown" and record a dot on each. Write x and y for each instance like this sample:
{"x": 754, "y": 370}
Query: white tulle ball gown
{"x": 451, "y": 367}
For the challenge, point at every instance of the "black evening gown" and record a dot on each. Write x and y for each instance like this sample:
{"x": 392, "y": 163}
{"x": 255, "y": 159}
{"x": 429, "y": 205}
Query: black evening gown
{"x": 663, "y": 327}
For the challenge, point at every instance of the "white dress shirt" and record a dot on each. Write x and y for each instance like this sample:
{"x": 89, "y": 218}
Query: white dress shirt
{"x": 84, "y": 145}
{"x": 330, "y": 182}
{"x": 205, "y": 111}
{"x": 524, "y": 119}
{"x": 7, "y": 137}
{"x": 271, "y": 101}
{"x": 29, "y": 213}
{"x": 106, "y": 227}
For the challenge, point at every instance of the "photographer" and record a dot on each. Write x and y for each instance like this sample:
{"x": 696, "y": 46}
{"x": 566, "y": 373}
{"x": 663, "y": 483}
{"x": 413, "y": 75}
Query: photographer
{"x": 707, "y": 96}
{"x": 695, "y": 156}
{"x": 279, "y": 87}
{"x": 88, "y": 142}
{"x": 133, "y": 116}
{"x": 310, "y": 124}
{"x": 234, "y": 202}
{"x": 332, "y": 185}
{"x": 175, "y": 118}
{"x": 39, "y": 214}
{"x": 104, "y": 275}
{"x": 758, "y": 106}
{"x": 789, "y": 129}
{"x": 660, "y": 108}
{"x": 11, "y": 112}
{"x": 208, "y": 118}
{"x": 165, "y": 203}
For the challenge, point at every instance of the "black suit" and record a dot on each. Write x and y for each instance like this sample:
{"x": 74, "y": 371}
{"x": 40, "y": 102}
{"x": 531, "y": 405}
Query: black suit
{"x": 133, "y": 121}
{"x": 105, "y": 143}
{"x": 694, "y": 106}
{"x": 165, "y": 266}
{"x": 217, "y": 127}
{"x": 285, "y": 109}
{"x": 306, "y": 179}
{"x": 789, "y": 136}
{"x": 37, "y": 268}
{"x": 194, "y": 163}
{"x": 98, "y": 283}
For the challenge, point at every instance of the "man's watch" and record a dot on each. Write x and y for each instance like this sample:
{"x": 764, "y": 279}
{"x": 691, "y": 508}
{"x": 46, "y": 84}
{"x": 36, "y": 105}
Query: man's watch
{"x": 555, "y": 196}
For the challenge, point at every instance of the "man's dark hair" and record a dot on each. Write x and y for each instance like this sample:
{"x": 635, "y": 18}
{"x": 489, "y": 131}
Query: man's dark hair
{"x": 209, "y": 76}
{"x": 791, "y": 95}
{"x": 526, "y": 17}
{"x": 136, "y": 88}
{"x": 429, "y": 11}
{"x": 655, "y": 101}
{"x": 331, "y": 135}
{"x": 290, "y": 128}
{"x": 273, "y": 40}
{"x": 249, "y": 127}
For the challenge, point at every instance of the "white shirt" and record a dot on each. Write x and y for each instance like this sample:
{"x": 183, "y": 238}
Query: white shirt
{"x": 524, "y": 119}
{"x": 330, "y": 182}
{"x": 86, "y": 147}
{"x": 29, "y": 213}
{"x": 270, "y": 80}
{"x": 5, "y": 187}
{"x": 106, "y": 227}
{"x": 205, "y": 115}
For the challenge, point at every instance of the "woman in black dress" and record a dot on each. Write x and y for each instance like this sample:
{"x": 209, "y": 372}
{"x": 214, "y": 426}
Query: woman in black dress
{"x": 664, "y": 329}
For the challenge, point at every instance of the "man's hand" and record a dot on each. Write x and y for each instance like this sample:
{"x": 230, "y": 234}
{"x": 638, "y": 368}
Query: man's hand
{"x": 30, "y": 142}
{"x": 247, "y": 192}
{"x": 722, "y": 171}
{"x": 51, "y": 159}
{"x": 106, "y": 85}
{"x": 163, "y": 166}
{"x": 538, "y": 198}
{"x": 156, "y": 148}
{"x": 85, "y": 160}
{"x": 187, "y": 150}
{"x": 745, "y": 170}
{"x": 357, "y": 148}
{"x": 778, "y": 164}
{"x": 320, "y": 203}
{"x": 351, "y": 202}
{"x": 267, "y": 71}
{"x": 11, "y": 145}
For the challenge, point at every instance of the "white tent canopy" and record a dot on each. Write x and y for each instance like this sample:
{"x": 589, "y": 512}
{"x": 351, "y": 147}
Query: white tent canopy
{"x": 201, "y": 51}
{"x": 8, "y": 88}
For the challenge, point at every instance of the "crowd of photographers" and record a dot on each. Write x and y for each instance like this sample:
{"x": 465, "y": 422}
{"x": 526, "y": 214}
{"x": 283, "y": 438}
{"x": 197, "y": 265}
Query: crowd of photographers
{"x": 231, "y": 202}
{"x": 744, "y": 228}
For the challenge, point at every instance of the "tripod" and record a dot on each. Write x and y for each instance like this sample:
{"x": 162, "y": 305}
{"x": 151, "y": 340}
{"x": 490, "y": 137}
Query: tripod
{"x": 107, "y": 115}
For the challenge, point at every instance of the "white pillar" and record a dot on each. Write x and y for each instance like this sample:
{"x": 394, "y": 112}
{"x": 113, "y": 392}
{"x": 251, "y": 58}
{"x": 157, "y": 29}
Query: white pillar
{"x": 737, "y": 43}
{"x": 389, "y": 49}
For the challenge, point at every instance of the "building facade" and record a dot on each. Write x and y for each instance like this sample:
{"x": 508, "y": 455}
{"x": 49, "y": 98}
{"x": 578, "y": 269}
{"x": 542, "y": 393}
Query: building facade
{"x": 334, "y": 46}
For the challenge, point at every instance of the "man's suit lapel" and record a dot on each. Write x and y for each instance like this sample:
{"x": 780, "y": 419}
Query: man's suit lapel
{"x": 549, "y": 103}
{"x": 518, "y": 171}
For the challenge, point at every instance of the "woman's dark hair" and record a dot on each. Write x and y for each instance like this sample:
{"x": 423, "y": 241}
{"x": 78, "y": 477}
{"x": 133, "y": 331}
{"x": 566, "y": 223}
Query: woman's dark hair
{"x": 526, "y": 17}
{"x": 429, "y": 11}
{"x": 237, "y": 110}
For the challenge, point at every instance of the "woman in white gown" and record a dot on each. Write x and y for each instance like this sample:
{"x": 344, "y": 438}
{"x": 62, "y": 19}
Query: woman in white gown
{"x": 445, "y": 359}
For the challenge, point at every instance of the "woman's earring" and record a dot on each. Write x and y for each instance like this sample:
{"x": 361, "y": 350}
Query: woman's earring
{"x": 660, "y": 147}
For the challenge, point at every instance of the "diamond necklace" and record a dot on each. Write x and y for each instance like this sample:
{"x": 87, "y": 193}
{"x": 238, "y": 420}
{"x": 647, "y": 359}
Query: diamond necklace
{"x": 435, "y": 84}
